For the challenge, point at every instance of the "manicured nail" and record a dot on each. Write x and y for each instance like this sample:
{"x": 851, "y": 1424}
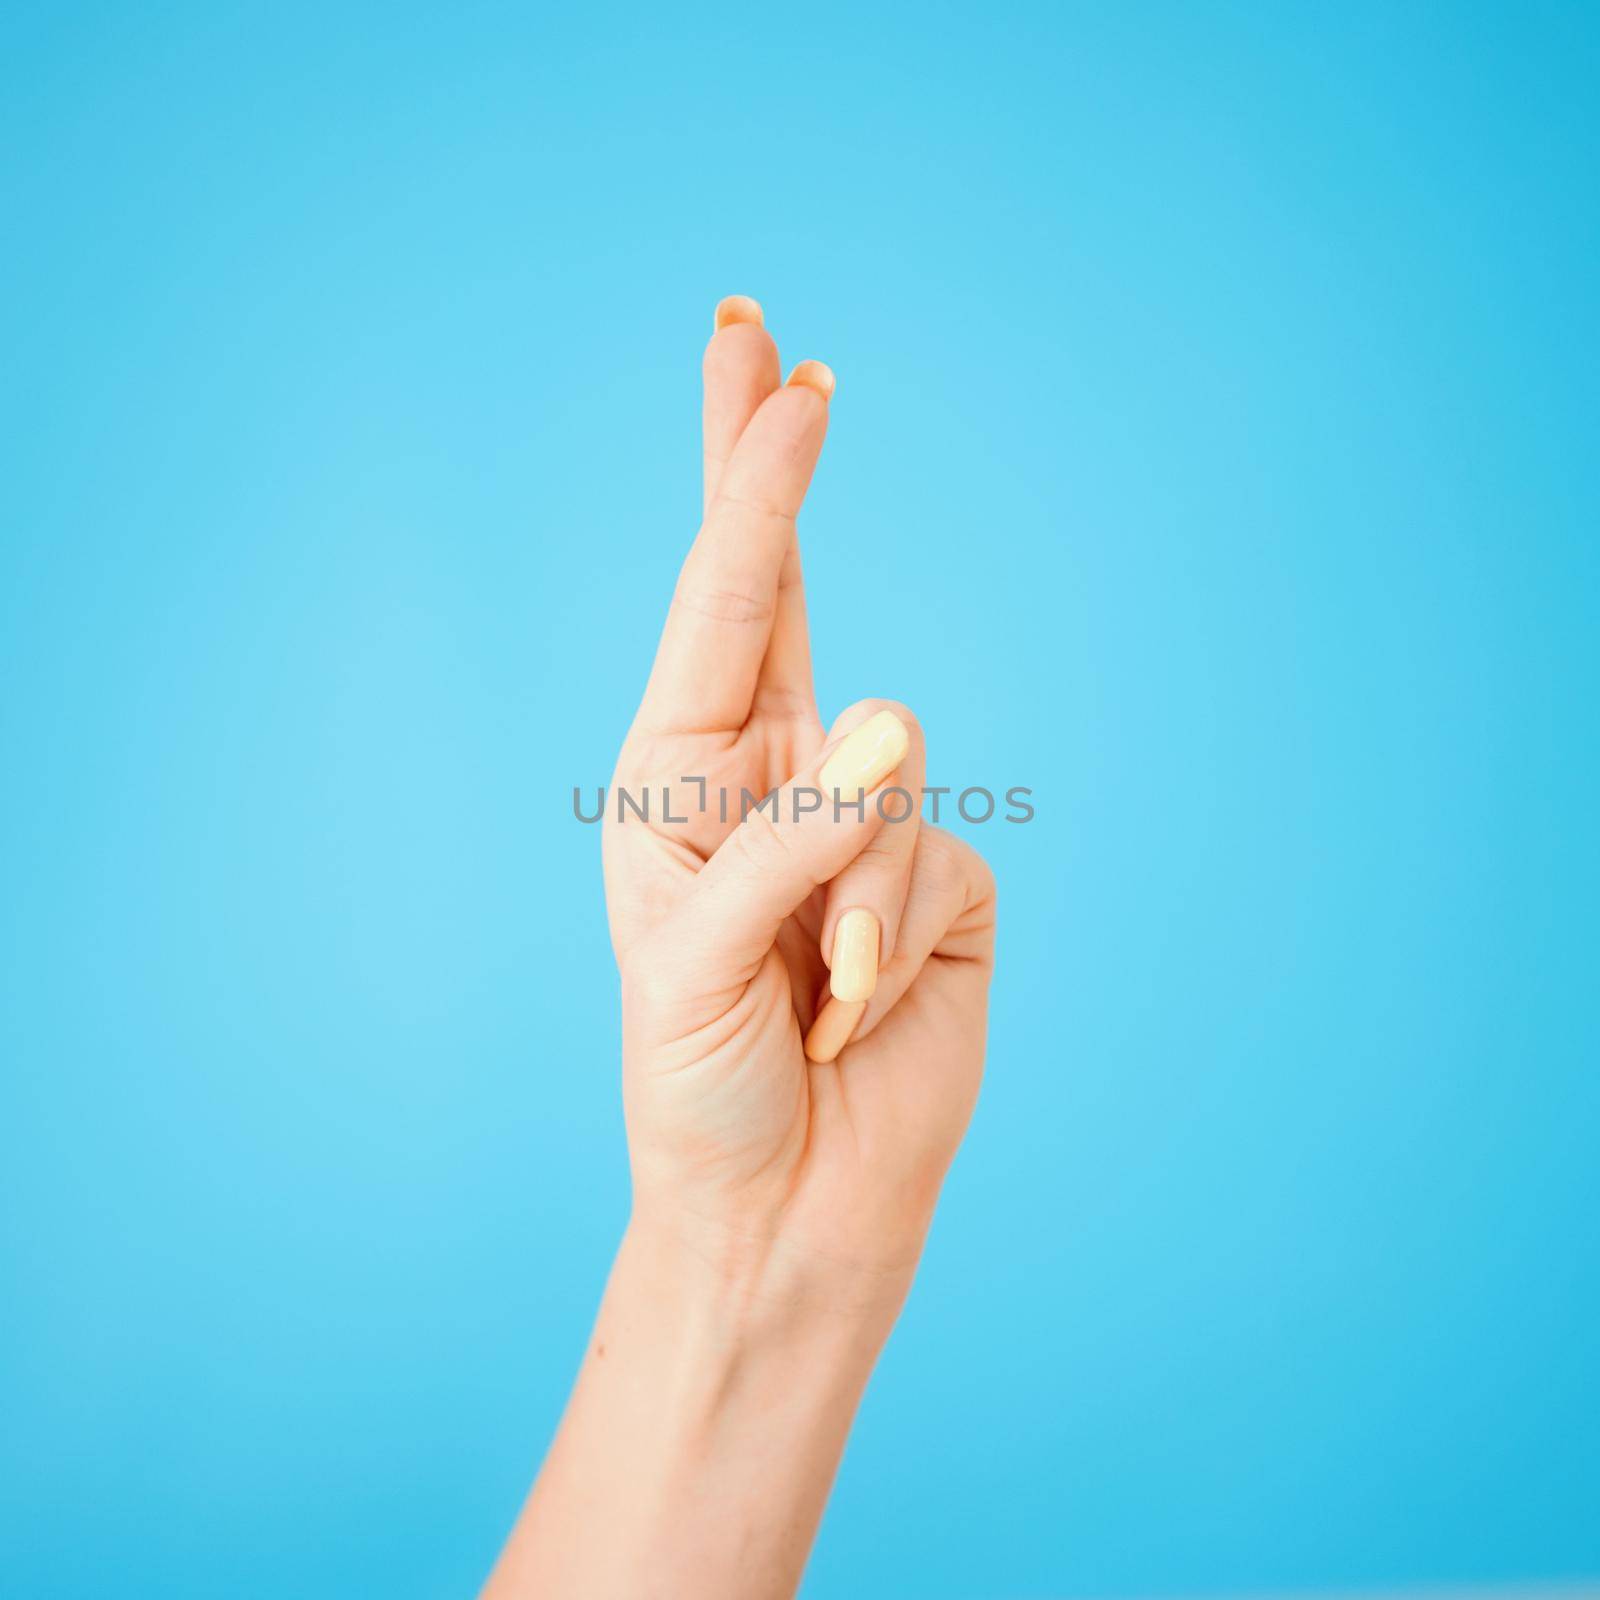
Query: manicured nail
{"x": 866, "y": 756}
{"x": 854, "y": 969}
{"x": 816, "y": 375}
{"x": 736, "y": 308}
{"x": 830, "y": 1033}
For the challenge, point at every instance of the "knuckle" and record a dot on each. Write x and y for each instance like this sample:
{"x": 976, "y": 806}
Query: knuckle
{"x": 884, "y": 853}
{"x": 748, "y": 505}
{"x": 952, "y": 864}
{"x": 939, "y": 859}
{"x": 725, "y": 605}
{"x": 986, "y": 890}
{"x": 786, "y": 704}
{"x": 764, "y": 847}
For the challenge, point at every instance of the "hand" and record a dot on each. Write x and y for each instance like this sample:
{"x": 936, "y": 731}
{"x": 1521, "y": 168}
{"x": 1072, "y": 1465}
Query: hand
{"x": 817, "y": 1176}
{"x": 789, "y": 1125}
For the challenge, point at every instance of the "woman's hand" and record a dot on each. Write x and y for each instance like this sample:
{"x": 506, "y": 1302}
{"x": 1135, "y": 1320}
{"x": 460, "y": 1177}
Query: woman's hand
{"x": 820, "y": 1174}
{"x": 789, "y": 1126}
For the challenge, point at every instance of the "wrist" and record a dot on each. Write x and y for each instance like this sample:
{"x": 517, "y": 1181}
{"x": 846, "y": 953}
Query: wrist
{"x": 750, "y": 1290}
{"x": 709, "y": 1416}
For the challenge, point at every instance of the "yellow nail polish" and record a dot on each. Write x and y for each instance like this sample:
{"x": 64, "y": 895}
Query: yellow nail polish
{"x": 855, "y": 955}
{"x": 830, "y": 1033}
{"x": 866, "y": 755}
{"x": 816, "y": 375}
{"x": 737, "y": 308}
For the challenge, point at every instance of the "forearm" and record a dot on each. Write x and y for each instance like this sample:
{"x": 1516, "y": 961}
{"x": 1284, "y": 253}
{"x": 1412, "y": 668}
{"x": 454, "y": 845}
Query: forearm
{"x": 703, "y": 1433}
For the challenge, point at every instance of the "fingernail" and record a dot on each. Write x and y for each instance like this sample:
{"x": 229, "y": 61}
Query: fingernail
{"x": 854, "y": 968}
{"x": 816, "y": 375}
{"x": 737, "y": 308}
{"x": 866, "y": 756}
{"x": 830, "y": 1033}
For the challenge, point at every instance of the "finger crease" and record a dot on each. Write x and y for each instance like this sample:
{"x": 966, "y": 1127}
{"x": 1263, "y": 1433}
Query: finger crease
{"x": 726, "y": 605}
{"x": 759, "y": 508}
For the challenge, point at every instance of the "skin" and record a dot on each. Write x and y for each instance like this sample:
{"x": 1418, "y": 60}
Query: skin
{"x": 780, "y": 1205}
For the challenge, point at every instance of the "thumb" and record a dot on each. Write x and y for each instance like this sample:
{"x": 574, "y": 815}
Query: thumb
{"x": 801, "y": 836}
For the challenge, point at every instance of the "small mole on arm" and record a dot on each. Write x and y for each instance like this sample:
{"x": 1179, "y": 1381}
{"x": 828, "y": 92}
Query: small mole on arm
{"x": 599, "y": 1352}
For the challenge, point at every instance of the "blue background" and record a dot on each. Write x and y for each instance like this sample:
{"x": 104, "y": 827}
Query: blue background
{"x": 1217, "y": 406}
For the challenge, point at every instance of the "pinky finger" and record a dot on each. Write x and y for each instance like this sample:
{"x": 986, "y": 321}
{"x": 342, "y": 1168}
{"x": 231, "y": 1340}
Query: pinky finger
{"x": 949, "y": 914}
